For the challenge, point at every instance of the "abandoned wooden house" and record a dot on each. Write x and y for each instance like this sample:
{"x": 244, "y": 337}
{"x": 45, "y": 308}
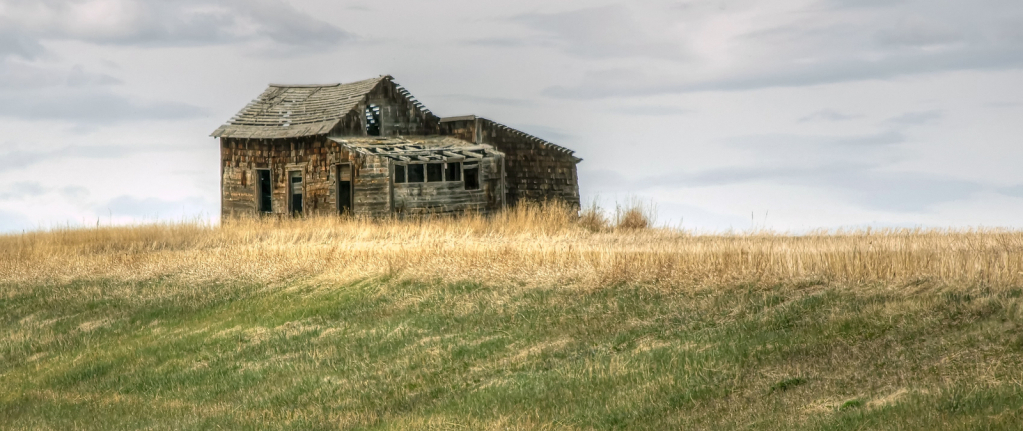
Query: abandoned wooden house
{"x": 369, "y": 148}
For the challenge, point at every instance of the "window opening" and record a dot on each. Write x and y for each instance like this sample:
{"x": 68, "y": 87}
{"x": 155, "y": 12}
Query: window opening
{"x": 472, "y": 177}
{"x": 415, "y": 173}
{"x": 295, "y": 180}
{"x": 435, "y": 172}
{"x": 373, "y": 120}
{"x": 399, "y": 173}
{"x": 454, "y": 172}
{"x": 264, "y": 192}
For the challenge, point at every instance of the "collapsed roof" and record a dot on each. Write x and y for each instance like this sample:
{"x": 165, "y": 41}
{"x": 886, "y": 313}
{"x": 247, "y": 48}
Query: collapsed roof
{"x": 418, "y": 148}
{"x": 288, "y": 111}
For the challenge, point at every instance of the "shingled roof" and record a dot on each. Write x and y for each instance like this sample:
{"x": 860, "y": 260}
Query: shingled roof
{"x": 286, "y": 111}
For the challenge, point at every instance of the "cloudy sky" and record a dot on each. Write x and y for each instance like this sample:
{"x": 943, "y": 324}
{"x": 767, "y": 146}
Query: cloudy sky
{"x": 785, "y": 114}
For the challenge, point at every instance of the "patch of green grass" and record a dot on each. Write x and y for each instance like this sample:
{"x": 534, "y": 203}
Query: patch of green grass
{"x": 854, "y": 403}
{"x": 787, "y": 384}
{"x": 381, "y": 354}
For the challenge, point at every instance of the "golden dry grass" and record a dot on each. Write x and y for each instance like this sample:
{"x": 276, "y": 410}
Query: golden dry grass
{"x": 534, "y": 245}
{"x": 531, "y": 319}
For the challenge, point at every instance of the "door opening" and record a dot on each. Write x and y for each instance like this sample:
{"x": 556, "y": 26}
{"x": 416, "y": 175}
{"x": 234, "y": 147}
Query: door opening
{"x": 344, "y": 189}
{"x": 471, "y": 174}
{"x": 264, "y": 192}
{"x": 295, "y": 189}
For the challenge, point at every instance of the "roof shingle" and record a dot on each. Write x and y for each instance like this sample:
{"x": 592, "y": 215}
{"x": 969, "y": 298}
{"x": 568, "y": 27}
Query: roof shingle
{"x": 285, "y": 111}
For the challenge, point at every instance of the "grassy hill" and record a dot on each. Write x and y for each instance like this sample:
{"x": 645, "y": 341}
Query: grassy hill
{"x": 528, "y": 320}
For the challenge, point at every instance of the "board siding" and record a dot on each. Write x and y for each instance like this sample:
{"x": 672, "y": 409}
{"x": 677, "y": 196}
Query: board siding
{"x": 534, "y": 171}
{"x": 373, "y": 195}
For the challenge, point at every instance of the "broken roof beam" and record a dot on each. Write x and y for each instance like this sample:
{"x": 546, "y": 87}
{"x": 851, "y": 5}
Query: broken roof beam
{"x": 452, "y": 156}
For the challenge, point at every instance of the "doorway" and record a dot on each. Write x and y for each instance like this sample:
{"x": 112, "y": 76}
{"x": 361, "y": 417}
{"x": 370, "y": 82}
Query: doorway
{"x": 344, "y": 189}
{"x": 264, "y": 193}
{"x": 295, "y": 189}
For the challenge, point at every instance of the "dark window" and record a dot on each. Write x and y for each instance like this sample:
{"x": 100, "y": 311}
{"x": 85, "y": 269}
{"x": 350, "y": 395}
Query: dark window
{"x": 295, "y": 178}
{"x": 472, "y": 177}
{"x": 415, "y": 173}
{"x": 454, "y": 172}
{"x": 435, "y": 172}
{"x": 373, "y": 120}
{"x": 399, "y": 173}
{"x": 264, "y": 193}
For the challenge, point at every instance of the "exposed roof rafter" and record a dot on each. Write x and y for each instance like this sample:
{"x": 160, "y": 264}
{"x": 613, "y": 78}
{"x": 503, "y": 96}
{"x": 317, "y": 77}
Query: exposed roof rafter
{"x": 287, "y": 110}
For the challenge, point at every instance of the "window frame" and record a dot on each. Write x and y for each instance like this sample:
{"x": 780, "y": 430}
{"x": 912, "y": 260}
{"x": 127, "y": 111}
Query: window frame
{"x": 457, "y": 171}
{"x": 408, "y": 173}
{"x": 446, "y": 169}
{"x": 427, "y": 171}
{"x": 404, "y": 173}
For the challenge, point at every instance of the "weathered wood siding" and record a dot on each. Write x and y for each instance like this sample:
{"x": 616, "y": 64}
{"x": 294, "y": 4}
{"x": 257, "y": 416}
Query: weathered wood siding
{"x": 534, "y": 170}
{"x": 450, "y": 197}
{"x": 372, "y": 183}
{"x": 398, "y": 115}
{"x": 316, "y": 157}
{"x": 238, "y": 192}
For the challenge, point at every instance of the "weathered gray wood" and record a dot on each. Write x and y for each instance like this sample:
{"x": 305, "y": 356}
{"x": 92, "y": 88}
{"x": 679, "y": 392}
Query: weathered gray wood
{"x": 534, "y": 168}
{"x": 290, "y": 125}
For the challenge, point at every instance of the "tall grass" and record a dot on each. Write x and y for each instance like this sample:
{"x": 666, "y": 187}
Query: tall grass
{"x": 534, "y": 318}
{"x": 536, "y": 244}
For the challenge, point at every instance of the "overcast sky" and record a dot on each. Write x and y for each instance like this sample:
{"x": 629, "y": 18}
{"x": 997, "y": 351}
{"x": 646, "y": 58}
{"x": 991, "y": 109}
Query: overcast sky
{"x": 789, "y": 115}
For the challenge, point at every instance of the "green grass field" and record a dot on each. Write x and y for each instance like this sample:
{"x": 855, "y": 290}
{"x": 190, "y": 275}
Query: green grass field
{"x": 387, "y": 354}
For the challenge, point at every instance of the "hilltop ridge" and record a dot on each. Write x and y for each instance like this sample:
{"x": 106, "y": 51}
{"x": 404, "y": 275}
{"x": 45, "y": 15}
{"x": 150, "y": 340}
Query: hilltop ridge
{"x": 530, "y": 319}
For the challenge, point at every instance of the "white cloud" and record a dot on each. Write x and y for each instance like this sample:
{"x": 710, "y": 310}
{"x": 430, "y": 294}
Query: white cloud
{"x": 780, "y": 44}
{"x": 166, "y": 23}
{"x": 919, "y": 117}
{"x": 89, "y": 106}
{"x": 820, "y": 112}
{"x": 606, "y": 31}
{"x": 829, "y": 115}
